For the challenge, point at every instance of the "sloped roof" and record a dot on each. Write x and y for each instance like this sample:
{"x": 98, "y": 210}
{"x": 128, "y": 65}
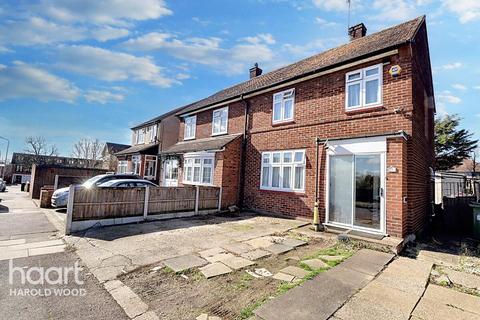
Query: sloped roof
{"x": 137, "y": 148}
{"x": 199, "y": 145}
{"x": 354, "y": 50}
{"x": 116, "y": 147}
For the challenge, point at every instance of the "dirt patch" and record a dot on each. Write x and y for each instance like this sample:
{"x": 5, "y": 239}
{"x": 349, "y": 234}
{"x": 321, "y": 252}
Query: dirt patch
{"x": 232, "y": 296}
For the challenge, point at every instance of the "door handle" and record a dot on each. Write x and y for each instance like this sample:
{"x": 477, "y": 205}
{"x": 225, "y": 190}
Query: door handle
{"x": 381, "y": 192}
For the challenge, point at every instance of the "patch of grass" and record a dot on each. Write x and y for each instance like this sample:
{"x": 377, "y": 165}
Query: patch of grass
{"x": 285, "y": 286}
{"x": 168, "y": 270}
{"x": 244, "y": 282}
{"x": 247, "y": 312}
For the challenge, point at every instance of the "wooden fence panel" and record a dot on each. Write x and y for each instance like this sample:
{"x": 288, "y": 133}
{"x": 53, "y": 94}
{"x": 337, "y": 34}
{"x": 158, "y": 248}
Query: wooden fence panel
{"x": 208, "y": 198}
{"x": 171, "y": 199}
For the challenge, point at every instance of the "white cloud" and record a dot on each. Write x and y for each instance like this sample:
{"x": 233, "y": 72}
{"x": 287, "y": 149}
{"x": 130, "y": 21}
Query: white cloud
{"x": 208, "y": 51}
{"x": 398, "y": 10}
{"x": 476, "y": 87}
{"x": 451, "y": 66}
{"x": 325, "y": 23}
{"x": 447, "y": 97}
{"x": 332, "y": 5}
{"x": 459, "y": 86}
{"x": 102, "y": 97}
{"x": 311, "y": 47}
{"x": 111, "y": 66}
{"x": 21, "y": 80}
{"x": 109, "y": 33}
{"x": 466, "y": 10}
{"x": 111, "y": 12}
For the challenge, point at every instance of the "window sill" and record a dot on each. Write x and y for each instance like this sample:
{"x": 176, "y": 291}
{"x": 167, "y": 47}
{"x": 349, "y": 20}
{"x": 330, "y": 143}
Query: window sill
{"x": 186, "y": 139}
{"x": 219, "y": 134}
{"x": 197, "y": 184}
{"x": 365, "y": 109}
{"x": 292, "y": 192}
{"x": 281, "y": 123}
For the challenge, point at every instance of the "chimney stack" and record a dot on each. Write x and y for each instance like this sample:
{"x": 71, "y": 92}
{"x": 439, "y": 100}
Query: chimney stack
{"x": 255, "y": 71}
{"x": 357, "y": 31}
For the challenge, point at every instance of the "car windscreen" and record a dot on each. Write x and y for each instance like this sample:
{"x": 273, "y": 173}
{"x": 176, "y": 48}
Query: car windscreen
{"x": 93, "y": 181}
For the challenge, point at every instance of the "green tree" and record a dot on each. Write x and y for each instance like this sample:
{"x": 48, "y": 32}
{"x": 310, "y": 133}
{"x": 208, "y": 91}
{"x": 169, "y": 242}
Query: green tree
{"x": 452, "y": 145}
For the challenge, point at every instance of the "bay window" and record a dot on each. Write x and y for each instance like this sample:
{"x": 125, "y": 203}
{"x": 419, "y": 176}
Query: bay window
{"x": 364, "y": 88}
{"x": 283, "y": 106}
{"x": 190, "y": 127}
{"x": 220, "y": 121}
{"x": 198, "y": 168}
{"x": 283, "y": 170}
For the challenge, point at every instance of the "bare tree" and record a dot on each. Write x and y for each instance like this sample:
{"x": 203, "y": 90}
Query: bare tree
{"x": 37, "y": 145}
{"x": 90, "y": 149}
{"x": 475, "y": 160}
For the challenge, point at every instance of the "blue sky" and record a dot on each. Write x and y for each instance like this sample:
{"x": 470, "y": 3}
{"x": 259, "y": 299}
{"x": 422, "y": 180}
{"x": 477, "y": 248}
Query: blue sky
{"x": 71, "y": 69}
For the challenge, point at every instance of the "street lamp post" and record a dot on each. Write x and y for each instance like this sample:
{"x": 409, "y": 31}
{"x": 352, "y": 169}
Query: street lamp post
{"x": 6, "y": 156}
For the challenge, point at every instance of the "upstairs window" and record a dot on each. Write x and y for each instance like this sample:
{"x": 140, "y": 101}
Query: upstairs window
{"x": 140, "y": 134}
{"x": 220, "y": 121}
{"x": 283, "y": 106}
{"x": 364, "y": 88}
{"x": 190, "y": 127}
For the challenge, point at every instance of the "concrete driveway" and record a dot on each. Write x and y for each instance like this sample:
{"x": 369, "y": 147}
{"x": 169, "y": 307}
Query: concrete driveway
{"x": 112, "y": 251}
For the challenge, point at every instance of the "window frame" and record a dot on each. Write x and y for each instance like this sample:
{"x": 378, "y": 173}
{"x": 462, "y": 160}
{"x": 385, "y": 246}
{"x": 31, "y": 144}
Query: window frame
{"x": 194, "y": 124}
{"x": 362, "y": 81}
{"x": 189, "y": 162}
{"x": 221, "y": 110}
{"x": 137, "y": 135}
{"x": 292, "y": 164}
{"x": 154, "y": 159}
{"x": 282, "y": 100}
{"x": 136, "y": 160}
{"x": 122, "y": 164}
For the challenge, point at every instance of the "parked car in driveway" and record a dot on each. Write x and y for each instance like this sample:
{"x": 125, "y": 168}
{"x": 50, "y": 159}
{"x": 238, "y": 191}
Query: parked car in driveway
{"x": 60, "y": 196}
{"x": 127, "y": 183}
{"x": 3, "y": 185}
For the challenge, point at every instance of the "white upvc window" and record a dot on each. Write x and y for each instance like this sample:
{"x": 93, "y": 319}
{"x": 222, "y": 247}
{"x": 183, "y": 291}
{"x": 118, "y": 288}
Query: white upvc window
{"x": 151, "y": 133}
{"x": 122, "y": 166}
{"x": 283, "y": 106}
{"x": 190, "y": 127}
{"x": 150, "y": 167}
{"x": 283, "y": 170}
{"x": 140, "y": 136}
{"x": 220, "y": 121}
{"x": 364, "y": 88}
{"x": 136, "y": 164}
{"x": 198, "y": 168}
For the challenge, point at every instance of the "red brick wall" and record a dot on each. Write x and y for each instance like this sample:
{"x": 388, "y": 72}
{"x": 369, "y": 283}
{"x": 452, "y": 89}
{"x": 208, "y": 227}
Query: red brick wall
{"x": 236, "y": 116}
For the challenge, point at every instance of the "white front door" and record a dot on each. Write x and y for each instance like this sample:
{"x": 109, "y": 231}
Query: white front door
{"x": 356, "y": 187}
{"x": 170, "y": 170}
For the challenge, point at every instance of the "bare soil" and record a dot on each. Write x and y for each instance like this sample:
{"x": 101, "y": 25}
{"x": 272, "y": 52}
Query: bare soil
{"x": 231, "y": 296}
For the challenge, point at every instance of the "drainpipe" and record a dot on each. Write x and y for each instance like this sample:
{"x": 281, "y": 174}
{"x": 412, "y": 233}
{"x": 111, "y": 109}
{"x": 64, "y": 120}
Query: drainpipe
{"x": 316, "y": 216}
{"x": 244, "y": 152}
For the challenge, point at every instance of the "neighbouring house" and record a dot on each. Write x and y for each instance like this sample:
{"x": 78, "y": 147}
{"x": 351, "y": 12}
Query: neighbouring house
{"x": 148, "y": 140}
{"x": 110, "y": 161}
{"x": 21, "y": 164}
{"x": 367, "y": 108}
{"x": 470, "y": 168}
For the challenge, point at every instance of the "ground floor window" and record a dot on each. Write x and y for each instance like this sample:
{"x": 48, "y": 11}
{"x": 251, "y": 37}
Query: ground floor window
{"x": 283, "y": 170}
{"x": 136, "y": 164}
{"x": 150, "y": 167}
{"x": 122, "y": 166}
{"x": 198, "y": 168}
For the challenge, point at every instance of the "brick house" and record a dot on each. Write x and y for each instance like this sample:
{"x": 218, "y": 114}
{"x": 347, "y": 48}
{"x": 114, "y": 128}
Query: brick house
{"x": 350, "y": 128}
{"x": 148, "y": 140}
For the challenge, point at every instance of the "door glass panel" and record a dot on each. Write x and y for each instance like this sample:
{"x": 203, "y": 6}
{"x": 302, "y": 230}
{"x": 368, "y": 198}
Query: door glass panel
{"x": 341, "y": 188}
{"x": 367, "y": 191}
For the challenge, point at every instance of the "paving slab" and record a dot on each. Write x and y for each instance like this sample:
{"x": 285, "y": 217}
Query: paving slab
{"x": 211, "y": 252}
{"x": 355, "y": 280}
{"x": 203, "y": 316}
{"x": 463, "y": 279}
{"x": 214, "y": 269}
{"x": 256, "y": 254}
{"x": 315, "y": 264}
{"x": 39, "y": 244}
{"x": 295, "y": 271}
{"x": 219, "y": 257}
{"x": 451, "y": 297}
{"x": 331, "y": 258}
{"x": 149, "y": 315}
{"x": 292, "y": 242}
{"x": 430, "y": 309}
{"x": 368, "y": 261}
{"x": 237, "y": 262}
{"x": 9, "y": 254}
{"x": 5, "y": 243}
{"x": 129, "y": 301}
{"x": 238, "y": 247}
{"x": 440, "y": 258}
{"x": 261, "y": 242}
{"x": 46, "y": 250}
{"x": 185, "y": 262}
{"x": 283, "y": 277}
{"x": 278, "y": 248}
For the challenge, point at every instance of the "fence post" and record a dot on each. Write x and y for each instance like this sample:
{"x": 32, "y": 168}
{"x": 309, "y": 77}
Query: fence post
{"x": 71, "y": 198}
{"x": 220, "y": 200}
{"x": 197, "y": 195}
{"x": 145, "y": 205}
{"x": 55, "y": 184}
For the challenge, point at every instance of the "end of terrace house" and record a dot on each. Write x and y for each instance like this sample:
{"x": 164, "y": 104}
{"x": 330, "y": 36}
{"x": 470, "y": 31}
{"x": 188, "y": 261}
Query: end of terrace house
{"x": 350, "y": 129}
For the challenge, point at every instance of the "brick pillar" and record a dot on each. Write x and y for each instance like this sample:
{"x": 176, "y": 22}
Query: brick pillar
{"x": 396, "y": 187}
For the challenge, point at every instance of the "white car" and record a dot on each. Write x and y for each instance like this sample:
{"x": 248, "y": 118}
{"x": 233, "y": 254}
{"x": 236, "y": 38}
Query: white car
{"x": 60, "y": 196}
{"x": 127, "y": 183}
{"x": 3, "y": 185}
